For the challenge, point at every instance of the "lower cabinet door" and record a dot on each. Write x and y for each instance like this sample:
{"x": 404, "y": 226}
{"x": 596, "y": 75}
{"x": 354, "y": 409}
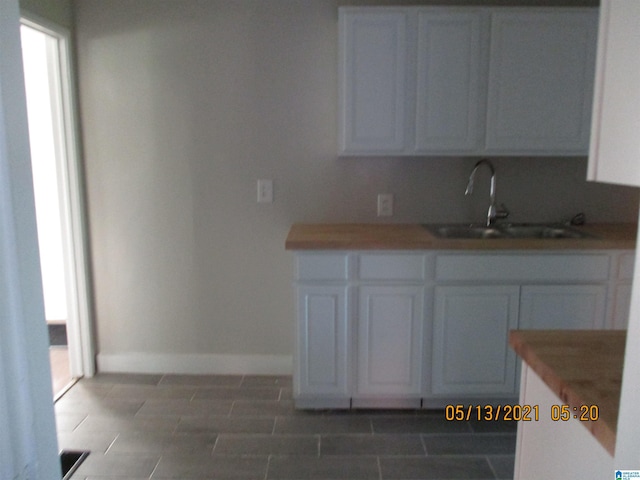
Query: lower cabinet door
{"x": 563, "y": 307}
{"x": 320, "y": 379}
{"x": 471, "y": 354}
{"x": 389, "y": 350}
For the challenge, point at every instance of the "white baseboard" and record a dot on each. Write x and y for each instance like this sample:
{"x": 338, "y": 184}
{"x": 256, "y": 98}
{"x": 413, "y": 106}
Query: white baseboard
{"x": 195, "y": 364}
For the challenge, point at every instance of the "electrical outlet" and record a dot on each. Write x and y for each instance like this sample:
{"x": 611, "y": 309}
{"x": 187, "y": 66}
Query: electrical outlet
{"x": 385, "y": 204}
{"x": 265, "y": 191}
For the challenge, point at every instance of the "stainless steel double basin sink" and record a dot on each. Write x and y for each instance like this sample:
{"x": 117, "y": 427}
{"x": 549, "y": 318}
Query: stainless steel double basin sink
{"x": 506, "y": 230}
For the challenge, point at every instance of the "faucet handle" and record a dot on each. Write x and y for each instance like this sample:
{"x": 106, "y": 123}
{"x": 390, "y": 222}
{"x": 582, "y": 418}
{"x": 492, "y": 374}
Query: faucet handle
{"x": 502, "y": 212}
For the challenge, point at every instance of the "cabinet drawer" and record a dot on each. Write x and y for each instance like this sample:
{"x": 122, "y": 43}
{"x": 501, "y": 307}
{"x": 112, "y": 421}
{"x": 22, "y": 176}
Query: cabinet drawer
{"x": 321, "y": 266}
{"x": 391, "y": 267}
{"x": 531, "y": 268}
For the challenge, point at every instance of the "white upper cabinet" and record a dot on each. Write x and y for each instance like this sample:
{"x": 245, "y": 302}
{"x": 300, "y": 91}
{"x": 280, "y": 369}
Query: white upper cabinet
{"x": 373, "y": 75}
{"x": 450, "y": 92}
{"x": 466, "y": 81}
{"x": 541, "y": 81}
{"x": 614, "y": 156}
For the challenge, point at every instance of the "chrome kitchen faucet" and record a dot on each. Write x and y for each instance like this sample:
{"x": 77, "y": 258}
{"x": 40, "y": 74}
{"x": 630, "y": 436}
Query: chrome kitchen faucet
{"x": 493, "y": 212}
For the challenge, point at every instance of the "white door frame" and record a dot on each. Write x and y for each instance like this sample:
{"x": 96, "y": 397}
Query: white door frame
{"x": 71, "y": 187}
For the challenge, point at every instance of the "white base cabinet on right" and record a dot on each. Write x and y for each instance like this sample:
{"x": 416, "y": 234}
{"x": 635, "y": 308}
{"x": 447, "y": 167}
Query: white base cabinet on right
{"x": 555, "y": 449}
{"x": 479, "y": 297}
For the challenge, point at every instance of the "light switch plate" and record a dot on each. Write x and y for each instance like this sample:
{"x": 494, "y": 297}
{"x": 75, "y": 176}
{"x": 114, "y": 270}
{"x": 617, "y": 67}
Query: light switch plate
{"x": 265, "y": 191}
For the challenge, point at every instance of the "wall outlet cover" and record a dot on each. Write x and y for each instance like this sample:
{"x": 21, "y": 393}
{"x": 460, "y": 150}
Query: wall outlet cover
{"x": 385, "y": 204}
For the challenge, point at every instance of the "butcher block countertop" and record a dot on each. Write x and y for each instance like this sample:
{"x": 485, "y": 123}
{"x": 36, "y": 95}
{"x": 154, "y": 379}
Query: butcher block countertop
{"x": 354, "y": 236}
{"x": 582, "y": 367}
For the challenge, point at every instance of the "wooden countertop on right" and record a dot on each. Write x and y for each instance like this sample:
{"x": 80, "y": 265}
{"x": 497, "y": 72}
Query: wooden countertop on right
{"x": 582, "y": 367}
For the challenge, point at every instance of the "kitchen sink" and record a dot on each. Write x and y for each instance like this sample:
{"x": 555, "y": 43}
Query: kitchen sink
{"x": 464, "y": 231}
{"x": 506, "y": 230}
{"x": 543, "y": 231}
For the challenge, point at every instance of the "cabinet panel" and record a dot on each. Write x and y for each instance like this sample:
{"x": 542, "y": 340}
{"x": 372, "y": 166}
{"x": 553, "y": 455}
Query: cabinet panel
{"x": 391, "y": 267}
{"x": 373, "y": 73}
{"x": 613, "y": 154}
{"x": 527, "y": 268}
{"x": 562, "y": 306}
{"x": 470, "y": 340}
{"x": 321, "y": 266}
{"x": 322, "y": 363}
{"x": 390, "y": 340}
{"x": 449, "y": 86}
{"x": 541, "y": 80}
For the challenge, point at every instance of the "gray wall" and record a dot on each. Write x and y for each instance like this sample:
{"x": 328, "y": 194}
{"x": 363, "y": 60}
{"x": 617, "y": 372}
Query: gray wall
{"x": 184, "y": 105}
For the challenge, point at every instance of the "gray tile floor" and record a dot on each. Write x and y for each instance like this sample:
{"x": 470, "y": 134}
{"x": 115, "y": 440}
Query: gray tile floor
{"x": 244, "y": 427}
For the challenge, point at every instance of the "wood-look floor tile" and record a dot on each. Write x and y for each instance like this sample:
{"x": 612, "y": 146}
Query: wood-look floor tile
{"x": 251, "y": 444}
{"x": 427, "y": 423}
{"x": 124, "y": 423}
{"x": 229, "y": 393}
{"x": 224, "y": 467}
{"x": 254, "y": 408}
{"x": 151, "y": 392}
{"x": 202, "y": 380}
{"x": 223, "y": 424}
{"x": 184, "y": 407}
{"x": 323, "y": 468}
{"x": 432, "y": 468}
{"x": 371, "y": 445}
{"x": 470, "y": 444}
{"x": 323, "y": 424}
{"x": 117, "y": 465}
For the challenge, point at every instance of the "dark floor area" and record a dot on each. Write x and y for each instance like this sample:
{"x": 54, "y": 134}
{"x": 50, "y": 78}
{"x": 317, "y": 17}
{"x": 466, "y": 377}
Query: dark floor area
{"x": 245, "y": 427}
{"x": 57, "y": 335}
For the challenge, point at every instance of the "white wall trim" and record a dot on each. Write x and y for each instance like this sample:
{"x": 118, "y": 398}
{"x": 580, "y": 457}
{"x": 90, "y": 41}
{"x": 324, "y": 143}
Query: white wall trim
{"x": 195, "y": 364}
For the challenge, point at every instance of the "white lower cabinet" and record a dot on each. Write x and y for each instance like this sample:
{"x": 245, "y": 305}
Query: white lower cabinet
{"x": 389, "y": 346}
{"x": 430, "y": 328}
{"x": 471, "y": 354}
{"x": 322, "y": 363}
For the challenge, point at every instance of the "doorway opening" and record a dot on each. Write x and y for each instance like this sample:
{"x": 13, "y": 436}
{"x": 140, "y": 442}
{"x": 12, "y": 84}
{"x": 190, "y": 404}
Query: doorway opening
{"x": 58, "y": 199}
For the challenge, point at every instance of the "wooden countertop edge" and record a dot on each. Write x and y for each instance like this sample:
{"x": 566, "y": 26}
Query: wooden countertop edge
{"x": 604, "y": 429}
{"x": 415, "y": 237}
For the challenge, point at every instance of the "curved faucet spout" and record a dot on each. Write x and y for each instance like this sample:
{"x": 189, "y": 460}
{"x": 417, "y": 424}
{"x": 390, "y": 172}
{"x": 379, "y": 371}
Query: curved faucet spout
{"x": 492, "y": 212}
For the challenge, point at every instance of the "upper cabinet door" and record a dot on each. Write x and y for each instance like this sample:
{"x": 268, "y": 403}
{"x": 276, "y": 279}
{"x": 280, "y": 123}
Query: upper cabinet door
{"x": 450, "y": 91}
{"x": 541, "y": 81}
{"x": 373, "y": 75}
{"x": 614, "y": 156}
